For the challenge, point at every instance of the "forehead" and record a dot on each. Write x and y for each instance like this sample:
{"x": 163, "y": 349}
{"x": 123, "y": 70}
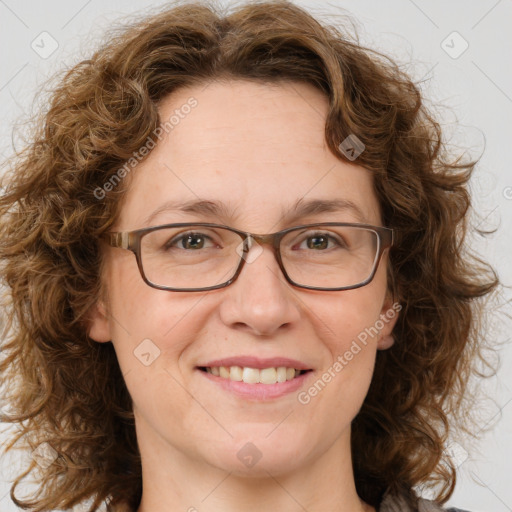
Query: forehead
{"x": 257, "y": 148}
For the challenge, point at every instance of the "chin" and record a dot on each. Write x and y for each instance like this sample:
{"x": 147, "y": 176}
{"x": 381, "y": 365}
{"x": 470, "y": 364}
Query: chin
{"x": 258, "y": 455}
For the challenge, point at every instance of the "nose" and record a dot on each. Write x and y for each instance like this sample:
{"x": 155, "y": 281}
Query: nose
{"x": 260, "y": 301}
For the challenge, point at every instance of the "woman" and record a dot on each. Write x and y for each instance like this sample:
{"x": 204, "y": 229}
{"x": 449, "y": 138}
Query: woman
{"x": 237, "y": 277}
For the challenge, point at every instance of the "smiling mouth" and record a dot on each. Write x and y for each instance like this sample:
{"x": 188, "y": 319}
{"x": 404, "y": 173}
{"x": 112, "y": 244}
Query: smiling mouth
{"x": 248, "y": 375}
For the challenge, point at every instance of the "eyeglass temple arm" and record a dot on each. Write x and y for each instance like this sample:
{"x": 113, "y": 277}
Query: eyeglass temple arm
{"x": 388, "y": 235}
{"x": 119, "y": 239}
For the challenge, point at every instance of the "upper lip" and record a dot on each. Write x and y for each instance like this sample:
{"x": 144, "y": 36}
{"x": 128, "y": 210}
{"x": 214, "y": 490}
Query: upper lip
{"x": 257, "y": 362}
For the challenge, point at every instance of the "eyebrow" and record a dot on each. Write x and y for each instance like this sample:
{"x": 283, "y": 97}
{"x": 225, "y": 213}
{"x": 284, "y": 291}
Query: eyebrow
{"x": 304, "y": 208}
{"x": 301, "y": 208}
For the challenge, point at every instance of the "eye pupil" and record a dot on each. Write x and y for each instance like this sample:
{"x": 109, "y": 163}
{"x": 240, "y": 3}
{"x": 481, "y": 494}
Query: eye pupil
{"x": 317, "y": 242}
{"x": 188, "y": 242}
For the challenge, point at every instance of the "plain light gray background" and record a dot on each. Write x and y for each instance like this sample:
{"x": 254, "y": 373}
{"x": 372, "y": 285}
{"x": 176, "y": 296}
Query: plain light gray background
{"x": 461, "y": 51}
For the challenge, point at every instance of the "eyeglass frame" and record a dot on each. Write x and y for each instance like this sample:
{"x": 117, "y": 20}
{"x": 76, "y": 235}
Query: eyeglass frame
{"x": 131, "y": 241}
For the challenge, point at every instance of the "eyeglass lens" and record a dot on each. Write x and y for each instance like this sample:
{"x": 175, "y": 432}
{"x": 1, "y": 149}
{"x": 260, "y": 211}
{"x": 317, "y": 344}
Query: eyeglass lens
{"x": 200, "y": 256}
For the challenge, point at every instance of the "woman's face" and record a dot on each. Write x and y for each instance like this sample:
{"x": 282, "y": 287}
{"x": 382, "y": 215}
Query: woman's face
{"x": 255, "y": 150}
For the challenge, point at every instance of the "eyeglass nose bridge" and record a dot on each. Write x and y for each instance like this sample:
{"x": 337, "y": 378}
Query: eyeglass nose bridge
{"x": 272, "y": 239}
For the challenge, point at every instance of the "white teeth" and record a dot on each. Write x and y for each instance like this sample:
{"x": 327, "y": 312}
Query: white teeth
{"x": 251, "y": 375}
{"x": 281, "y": 374}
{"x": 235, "y": 373}
{"x": 269, "y": 376}
{"x": 254, "y": 375}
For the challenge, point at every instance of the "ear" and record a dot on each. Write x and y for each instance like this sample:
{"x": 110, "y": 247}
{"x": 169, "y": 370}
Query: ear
{"x": 99, "y": 323}
{"x": 388, "y": 315}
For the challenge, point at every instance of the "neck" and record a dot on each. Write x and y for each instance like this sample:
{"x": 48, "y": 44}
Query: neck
{"x": 173, "y": 481}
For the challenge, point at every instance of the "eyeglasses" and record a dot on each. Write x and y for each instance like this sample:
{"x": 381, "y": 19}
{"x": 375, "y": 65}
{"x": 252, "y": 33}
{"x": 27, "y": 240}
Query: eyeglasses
{"x": 183, "y": 257}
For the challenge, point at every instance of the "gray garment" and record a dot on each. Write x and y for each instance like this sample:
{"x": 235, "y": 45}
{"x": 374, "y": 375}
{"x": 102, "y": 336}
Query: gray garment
{"x": 398, "y": 504}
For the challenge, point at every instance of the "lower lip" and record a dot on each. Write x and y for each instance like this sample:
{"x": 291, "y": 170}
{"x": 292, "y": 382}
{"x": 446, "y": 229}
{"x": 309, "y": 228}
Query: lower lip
{"x": 258, "y": 392}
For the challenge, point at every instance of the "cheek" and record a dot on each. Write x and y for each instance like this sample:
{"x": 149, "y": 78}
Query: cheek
{"x": 149, "y": 326}
{"x": 341, "y": 387}
{"x": 349, "y": 328}
{"x": 353, "y": 317}
{"x": 151, "y": 331}
{"x": 358, "y": 316}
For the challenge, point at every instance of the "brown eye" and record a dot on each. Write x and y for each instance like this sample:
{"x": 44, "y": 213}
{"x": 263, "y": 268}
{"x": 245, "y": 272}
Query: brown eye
{"x": 321, "y": 241}
{"x": 189, "y": 241}
{"x": 193, "y": 242}
{"x": 317, "y": 242}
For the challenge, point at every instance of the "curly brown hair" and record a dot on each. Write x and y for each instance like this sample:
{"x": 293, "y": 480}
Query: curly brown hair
{"x": 67, "y": 390}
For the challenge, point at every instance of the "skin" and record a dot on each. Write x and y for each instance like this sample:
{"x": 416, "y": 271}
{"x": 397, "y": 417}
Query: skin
{"x": 257, "y": 148}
